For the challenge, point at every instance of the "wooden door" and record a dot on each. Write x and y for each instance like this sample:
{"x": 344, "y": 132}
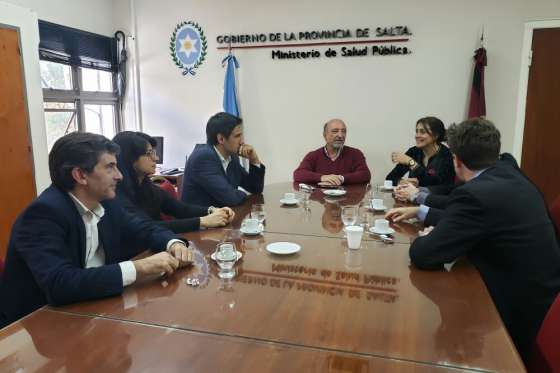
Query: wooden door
{"x": 541, "y": 138}
{"x": 17, "y": 182}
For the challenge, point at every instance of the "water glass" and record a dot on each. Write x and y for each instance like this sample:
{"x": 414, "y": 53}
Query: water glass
{"x": 363, "y": 216}
{"x": 349, "y": 215}
{"x": 257, "y": 212}
{"x": 303, "y": 197}
{"x": 226, "y": 256}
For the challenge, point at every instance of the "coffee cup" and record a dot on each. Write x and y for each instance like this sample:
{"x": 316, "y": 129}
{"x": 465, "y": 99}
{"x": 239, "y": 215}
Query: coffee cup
{"x": 377, "y": 204}
{"x": 289, "y": 196}
{"x": 381, "y": 225}
{"x": 354, "y": 236}
{"x": 250, "y": 225}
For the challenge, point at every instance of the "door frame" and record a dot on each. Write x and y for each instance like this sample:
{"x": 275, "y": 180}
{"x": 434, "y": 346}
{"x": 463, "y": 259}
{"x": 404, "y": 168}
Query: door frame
{"x": 524, "y": 81}
{"x": 26, "y": 21}
{"x": 25, "y": 101}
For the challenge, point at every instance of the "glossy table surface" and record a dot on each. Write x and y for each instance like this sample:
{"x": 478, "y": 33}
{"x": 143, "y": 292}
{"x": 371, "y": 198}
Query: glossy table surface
{"x": 322, "y": 216}
{"x": 50, "y": 341}
{"x": 369, "y": 304}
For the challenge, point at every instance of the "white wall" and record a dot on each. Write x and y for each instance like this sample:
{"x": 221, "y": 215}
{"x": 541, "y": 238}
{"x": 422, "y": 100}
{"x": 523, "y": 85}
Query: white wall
{"x": 93, "y": 16}
{"x": 124, "y": 20}
{"x": 284, "y": 103}
{"x": 26, "y": 23}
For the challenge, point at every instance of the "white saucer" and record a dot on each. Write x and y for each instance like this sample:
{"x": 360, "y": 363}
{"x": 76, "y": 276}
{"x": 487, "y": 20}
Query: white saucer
{"x": 383, "y": 208}
{"x": 334, "y": 192}
{"x": 290, "y": 202}
{"x": 283, "y": 248}
{"x": 388, "y": 231}
{"x": 252, "y": 233}
{"x": 239, "y": 255}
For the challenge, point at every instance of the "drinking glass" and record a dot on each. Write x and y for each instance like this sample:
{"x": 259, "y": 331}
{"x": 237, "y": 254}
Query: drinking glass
{"x": 349, "y": 216}
{"x": 303, "y": 197}
{"x": 226, "y": 256}
{"x": 363, "y": 212}
{"x": 257, "y": 212}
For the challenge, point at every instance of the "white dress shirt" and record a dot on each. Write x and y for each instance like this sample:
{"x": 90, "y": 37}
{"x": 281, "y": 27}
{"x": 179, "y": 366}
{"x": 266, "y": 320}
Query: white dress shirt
{"x": 225, "y": 162}
{"x": 95, "y": 255}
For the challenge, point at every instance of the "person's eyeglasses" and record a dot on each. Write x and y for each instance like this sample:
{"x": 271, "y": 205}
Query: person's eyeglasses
{"x": 151, "y": 153}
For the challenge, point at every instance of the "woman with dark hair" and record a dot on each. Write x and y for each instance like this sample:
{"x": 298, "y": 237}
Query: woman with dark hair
{"x": 429, "y": 162}
{"x": 138, "y": 194}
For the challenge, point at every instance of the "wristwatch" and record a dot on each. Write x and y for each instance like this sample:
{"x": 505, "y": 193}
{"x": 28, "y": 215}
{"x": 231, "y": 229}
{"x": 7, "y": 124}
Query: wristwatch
{"x": 412, "y": 164}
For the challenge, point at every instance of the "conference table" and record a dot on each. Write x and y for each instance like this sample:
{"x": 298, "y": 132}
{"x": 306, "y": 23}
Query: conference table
{"x": 326, "y": 308}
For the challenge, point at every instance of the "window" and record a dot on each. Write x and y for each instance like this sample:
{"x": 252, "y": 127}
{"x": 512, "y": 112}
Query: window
{"x": 60, "y": 119}
{"x": 78, "y": 99}
{"x": 97, "y": 80}
{"x": 78, "y": 76}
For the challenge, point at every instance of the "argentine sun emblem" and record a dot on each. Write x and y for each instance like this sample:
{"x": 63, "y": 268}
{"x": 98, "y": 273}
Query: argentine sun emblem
{"x": 188, "y": 46}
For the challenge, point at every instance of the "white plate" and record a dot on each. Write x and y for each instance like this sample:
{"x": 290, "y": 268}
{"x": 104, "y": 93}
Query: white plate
{"x": 251, "y": 233}
{"x": 239, "y": 255}
{"x": 285, "y": 201}
{"x": 388, "y": 231}
{"x": 334, "y": 192}
{"x": 283, "y": 248}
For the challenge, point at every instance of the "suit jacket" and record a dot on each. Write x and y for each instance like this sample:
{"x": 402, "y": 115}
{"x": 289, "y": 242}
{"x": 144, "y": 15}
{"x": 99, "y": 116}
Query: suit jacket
{"x": 45, "y": 262}
{"x": 500, "y": 222}
{"x": 439, "y": 194}
{"x": 205, "y": 182}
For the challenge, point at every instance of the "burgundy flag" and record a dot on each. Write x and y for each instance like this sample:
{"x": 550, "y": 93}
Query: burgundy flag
{"x": 477, "y": 105}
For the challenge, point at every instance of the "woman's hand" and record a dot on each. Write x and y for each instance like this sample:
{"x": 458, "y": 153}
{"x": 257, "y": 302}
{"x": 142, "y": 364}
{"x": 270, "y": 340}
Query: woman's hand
{"x": 400, "y": 158}
{"x": 406, "y": 192}
{"x": 411, "y": 180}
{"x": 218, "y": 218}
{"x": 229, "y": 212}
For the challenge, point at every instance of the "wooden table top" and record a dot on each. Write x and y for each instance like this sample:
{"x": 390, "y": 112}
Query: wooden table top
{"x": 367, "y": 301}
{"x": 49, "y": 341}
{"x": 366, "y": 307}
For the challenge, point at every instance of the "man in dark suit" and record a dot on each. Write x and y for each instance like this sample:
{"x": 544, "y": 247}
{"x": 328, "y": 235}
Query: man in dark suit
{"x": 73, "y": 243}
{"x": 499, "y": 221}
{"x": 438, "y": 195}
{"x": 213, "y": 172}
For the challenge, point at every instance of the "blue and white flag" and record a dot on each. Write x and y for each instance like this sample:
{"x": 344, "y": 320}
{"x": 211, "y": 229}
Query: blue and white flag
{"x": 230, "y": 96}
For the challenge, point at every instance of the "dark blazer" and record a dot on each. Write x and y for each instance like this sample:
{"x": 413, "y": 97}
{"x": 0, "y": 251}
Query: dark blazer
{"x": 439, "y": 194}
{"x": 46, "y": 254}
{"x": 499, "y": 220}
{"x": 205, "y": 183}
{"x": 439, "y": 169}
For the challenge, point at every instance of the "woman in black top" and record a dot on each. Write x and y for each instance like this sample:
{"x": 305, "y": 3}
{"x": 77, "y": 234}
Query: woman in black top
{"x": 429, "y": 162}
{"x": 137, "y": 161}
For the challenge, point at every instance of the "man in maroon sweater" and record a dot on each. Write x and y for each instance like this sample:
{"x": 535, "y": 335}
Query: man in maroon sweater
{"x": 333, "y": 164}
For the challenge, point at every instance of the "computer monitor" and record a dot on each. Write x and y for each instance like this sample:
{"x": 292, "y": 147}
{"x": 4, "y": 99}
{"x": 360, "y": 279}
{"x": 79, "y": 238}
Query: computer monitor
{"x": 159, "y": 148}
